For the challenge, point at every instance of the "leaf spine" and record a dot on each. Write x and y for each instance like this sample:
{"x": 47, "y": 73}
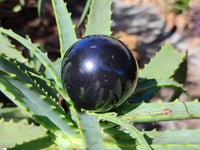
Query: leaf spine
{"x": 46, "y": 92}
{"x": 53, "y": 98}
{"x": 18, "y": 66}
{"x": 38, "y": 85}
{"x": 25, "y": 71}
{"x": 35, "y": 81}
{"x": 11, "y": 120}
{"x": 62, "y": 116}
{"x": 30, "y": 85}
{"x": 53, "y": 107}
{"x": 43, "y": 90}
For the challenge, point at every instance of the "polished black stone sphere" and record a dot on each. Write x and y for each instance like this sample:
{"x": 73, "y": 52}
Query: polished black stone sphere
{"x": 99, "y": 73}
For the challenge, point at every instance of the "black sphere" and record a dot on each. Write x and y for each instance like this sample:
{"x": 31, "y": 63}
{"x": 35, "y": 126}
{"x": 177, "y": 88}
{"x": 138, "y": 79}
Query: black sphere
{"x": 99, "y": 73}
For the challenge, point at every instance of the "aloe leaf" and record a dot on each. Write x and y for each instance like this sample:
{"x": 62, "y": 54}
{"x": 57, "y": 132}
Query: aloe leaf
{"x": 134, "y": 133}
{"x": 21, "y": 75}
{"x": 143, "y": 88}
{"x": 67, "y": 35}
{"x": 32, "y": 110}
{"x": 180, "y": 76}
{"x": 10, "y": 51}
{"x": 90, "y": 131}
{"x": 62, "y": 145}
{"x": 171, "y": 136}
{"x": 180, "y": 5}
{"x": 111, "y": 146}
{"x": 24, "y": 73}
{"x": 44, "y": 143}
{"x": 14, "y": 113}
{"x": 11, "y": 66}
{"x": 99, "y": 19}
{"x": 13, "y": 134}
{"x": 146, "y": 84}
{"x": 40, "y": 55}
{"x": 39, "y": 7}
{"x": 37, "y": 65}
{"x": 117, "y": 139}
{"x": 84, "y": 13}
{"x": 163, "y": 111}
{"x": 164, "y": 64}
{"x": 60, "y": 90}
{"x": 33, "y": 100}
{"x": 15, "y": 9}
{"x": 39, "y": 116}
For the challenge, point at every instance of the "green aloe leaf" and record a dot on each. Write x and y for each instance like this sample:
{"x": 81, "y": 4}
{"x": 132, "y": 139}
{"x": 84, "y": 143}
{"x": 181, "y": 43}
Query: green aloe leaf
{"x": 90, "y": 131}
{"x": 44, "y": 143}
{"x": 164, "y": 64}
{"x": 14, "y": 134}
{"x": 171, "y": 136}
{"x": 9, "y": 50}
{"x": 134, "y": 133}
{"x": 14, "y": 113}
{"x": 15, "y": 9}
{"x": 163, "y": 111}
{"x": 61, "y": 91}
{"x": 24, "y": 72}
{"x": 117, "y": 139}
{"x": 143, "y": 86}
{"x": 180, "y": 5}
{"x": 62, "y": 145}
{"x": 40, "y": 107}
{"x": 67, "y": 35}
{"x": 84, "y": 13}
{"x": 99, "y": 19}
{"x": 39, "y": 7}
{"x": 40, "y": 55}
{"x": 146, "y": 84}
{"x": 180, "y": 76}
{"x": 23, "y": 102}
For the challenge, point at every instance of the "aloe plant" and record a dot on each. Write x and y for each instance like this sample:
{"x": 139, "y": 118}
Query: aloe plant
{"x": 38, "y": 93}
{"x": 15, "y": 9}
